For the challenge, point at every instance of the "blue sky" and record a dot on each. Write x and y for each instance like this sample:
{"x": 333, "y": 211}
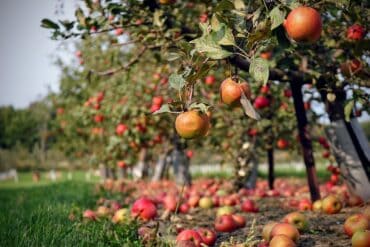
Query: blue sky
{"x": 26, "y": 52}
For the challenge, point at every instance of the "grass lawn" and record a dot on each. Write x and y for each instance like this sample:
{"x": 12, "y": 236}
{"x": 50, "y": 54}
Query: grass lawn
{"x": 37, "y": 215}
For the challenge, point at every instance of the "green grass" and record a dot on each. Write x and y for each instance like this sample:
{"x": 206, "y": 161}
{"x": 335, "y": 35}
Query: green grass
{"x": 37, "y": 215}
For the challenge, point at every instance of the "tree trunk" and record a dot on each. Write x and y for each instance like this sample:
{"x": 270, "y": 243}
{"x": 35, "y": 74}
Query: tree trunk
{"x": 141, "y": 169}
{"x": 160, "y": 167}
{"x": 180, "y": 163}
{"x": 246, "y": 168}
{"x": 104, "y": 172}
{"x": 121, "y": 172}
{"x": 349, "y": 145}
{"x": 305, "y": 140}
{"x": 271, "y": 173}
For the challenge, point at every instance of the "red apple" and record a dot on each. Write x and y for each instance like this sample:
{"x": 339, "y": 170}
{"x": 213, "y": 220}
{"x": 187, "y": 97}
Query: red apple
{"x": 89, "y": 214}
{"x": 203, "y": 18}
{"x": 305, "y": 205}
{"x": 239, "y": 220}
{"x": 208, "y": 236}
{"x": 355, "y": 223}
{"x": 288, "y": 93}
{"x": 285, "y": 229}
{"x": 189, "y": 235}
{"x": 144, "y": 208}
{"x": 282, "y": 143}
{"x": 193, "y": 201}
{"x": 119, "y": 31}
{"x": 331, "y": 204}
{"x": 210, "y": 80}
{"x": 248, "y": 206}
{"x": 361, "y": 239}
{"x": 157, "y": 100}
{"x": 356, "y": 32}
{"x": 265, "y": 89}
{"x": 189, "y": 154}
{"x": 225, "y": 223}
{"x": 281, "y": 241}
{"x": 261, "y": 102}
{"x": 98, "y": 118}
{"x": 184, "y": 208}
{"x": 121, "y": 129}
{"x": 170, "y": 203}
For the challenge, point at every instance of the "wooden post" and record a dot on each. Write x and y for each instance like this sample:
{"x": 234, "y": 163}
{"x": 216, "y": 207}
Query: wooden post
{"x": 305, "y": 140}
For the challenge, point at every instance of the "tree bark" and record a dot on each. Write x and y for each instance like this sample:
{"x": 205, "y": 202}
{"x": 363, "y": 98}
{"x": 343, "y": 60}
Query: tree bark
{"x": 348, "y": 144}
{"x": 271, "y": 172}
{"x": 305, "y": 140}
{"x": 141, "y": 169}
{"x": 160, "y": 167}
{"x": 246, "y": 168}
{"x": 180, "y": 162}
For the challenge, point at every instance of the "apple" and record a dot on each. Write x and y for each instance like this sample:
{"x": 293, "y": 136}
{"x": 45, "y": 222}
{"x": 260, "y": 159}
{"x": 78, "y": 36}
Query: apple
{"x": 282, "y": 143}
{"x": 265, "y": 89}
{"x": 225, "y": 210}
{"x": 281, "y": 241}
{"x": 184, "y": 208}
{"x": 170, "y": 203}
{"x": 355, "y": 200}
{"x": 239, "y": 220}
{"x": 285, "y": 229}
{"x": 98, "y": 118}
{"x": 252, "y": 132}
{"x": 361, "y": 239}
{"x": 119, "y": 31}
{"x": 366, "y": 211}
{"x": 189, "y": 154}
{"x": 120, "y": 215}
{"x": 267, "y": 55}
{"x": 331, "y": 205}
{"x": 78, "y": 54}
{"x": 102, "y": 211}
{"x": 154, "y": 108}
{"x": 193, "y": 201}
{"x": 355, "y": 223}
{"x": 225, "y": 223}
{"x": 144, "y": 208}
{"x": 189, "y": 235}
{"x": 89, "y": 214}
{"x": 115, "y": 206}
{"x": 157, "y": 100}
{"x": 203, "y": 18}
{"x": 296, "y": 219}
{"x": 356, "y": 32}
{"x": 210, "y": 80}
{"x": 121, "y": 129}
{"x": 305, "y": 205}
{"x": 208, "y": 236}
{"x": 100, "y": 97}
{"x": 248, "y": 206}
{"x": 121, "y": 164}
{"x": 206, "y": 202}
{"x": 261, "y": 102}
{"x": 263, "y": 244}
{"x": 266, "y": 231}
{"x": 288, "y": 93}
{"x": 317, "y": 206}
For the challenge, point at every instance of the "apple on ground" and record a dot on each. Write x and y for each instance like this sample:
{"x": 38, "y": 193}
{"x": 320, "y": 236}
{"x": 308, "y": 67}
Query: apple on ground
{"x": 249, "y": 206}
{"x": 225, "y": 210}
{"x": 361, "y": 239}
{"x": 225, "y": 223}
{"x": 189, "y": 235}
{"x": 144, "y": 208}
{"x": 208, "y": 236}
{"x": 281, "y": 241}
{"x": 317, "y": 206}
{"x": 89, "y": 214}
{"x": 297, "y": 219}
{"x": 285, "y": 229}
{"x": 102, "y": 211}
{"x": 205, "y": 202}
{"x": 184, "y": 208}
{"x": 120, "y": 215}
{"x": 266, "y": 231}
{"x": 239, "y": 220}
{"x": 331, "y": 204}
{"x": 355, "y": 223}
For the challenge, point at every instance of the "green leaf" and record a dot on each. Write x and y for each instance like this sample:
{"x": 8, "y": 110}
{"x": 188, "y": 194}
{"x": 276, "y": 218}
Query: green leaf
{"x": 176, "y": 81}
{"x": 199, "y": 106}
{"x": 248, "y": 107}
{"x": 172, "y": 56}
{"x": 165, "y": 108}
{"x": 277, "y": 17}
{"x": 259, "y": 70}
{"x": 239, "y": 4}
{"x": 210, "y": 48}
{"x": 157, "y": 18}
{"x": 224, "y": 5}
{"x": 348, "y": 109}
{"x": 46, "y": 23}
{"x": 223, "y": 36}
{"x": 292, "y": 4}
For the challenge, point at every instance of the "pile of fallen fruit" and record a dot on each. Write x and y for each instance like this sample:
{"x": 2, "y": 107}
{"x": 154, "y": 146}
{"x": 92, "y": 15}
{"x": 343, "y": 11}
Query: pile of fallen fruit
{"x": 211, "y": 213}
